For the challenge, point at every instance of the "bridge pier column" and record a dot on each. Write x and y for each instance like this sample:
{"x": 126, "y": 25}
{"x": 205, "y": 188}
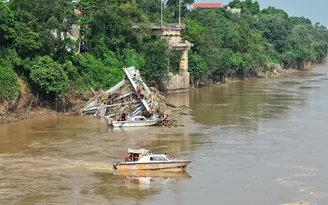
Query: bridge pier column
{"x": 184, "y": 61}
{"x": 178, "y": 83}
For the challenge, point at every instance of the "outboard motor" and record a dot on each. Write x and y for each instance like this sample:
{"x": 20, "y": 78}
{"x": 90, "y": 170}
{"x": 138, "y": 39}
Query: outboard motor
{"x": 115, "y": 164}
{"x": 110, "y": 122}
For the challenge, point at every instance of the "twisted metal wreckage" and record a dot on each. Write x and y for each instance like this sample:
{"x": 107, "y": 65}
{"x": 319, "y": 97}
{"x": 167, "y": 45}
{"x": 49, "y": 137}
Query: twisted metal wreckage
{"x": 136, "y": 105}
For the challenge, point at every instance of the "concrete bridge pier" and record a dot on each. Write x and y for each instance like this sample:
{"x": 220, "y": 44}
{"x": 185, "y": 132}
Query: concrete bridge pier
{"x": 171, "y": 32}
{"x": 180, "y": 82}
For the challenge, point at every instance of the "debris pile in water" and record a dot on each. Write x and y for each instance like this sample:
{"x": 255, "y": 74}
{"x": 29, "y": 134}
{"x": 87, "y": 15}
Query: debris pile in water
{"x": 126, "y": 96}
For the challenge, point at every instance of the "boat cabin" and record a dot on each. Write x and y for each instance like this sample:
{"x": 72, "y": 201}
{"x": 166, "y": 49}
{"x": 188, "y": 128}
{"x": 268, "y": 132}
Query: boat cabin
{"x": 135, "y": 155}
{"x": 143, "y": 155}
{"x": 155, "y": 158}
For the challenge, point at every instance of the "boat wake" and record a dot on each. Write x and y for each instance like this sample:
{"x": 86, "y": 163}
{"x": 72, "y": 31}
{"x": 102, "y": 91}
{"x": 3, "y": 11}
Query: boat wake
{"x": 82, "y": 165}
{"x": 94, "y": 166}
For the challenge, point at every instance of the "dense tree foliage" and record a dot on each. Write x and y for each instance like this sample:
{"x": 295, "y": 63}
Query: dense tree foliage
{"x": 238, "y": 45}
{"x": 34, "y": 44}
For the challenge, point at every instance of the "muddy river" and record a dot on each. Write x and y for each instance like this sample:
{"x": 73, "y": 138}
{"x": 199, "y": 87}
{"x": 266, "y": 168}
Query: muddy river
{"x": 253, "y": 142}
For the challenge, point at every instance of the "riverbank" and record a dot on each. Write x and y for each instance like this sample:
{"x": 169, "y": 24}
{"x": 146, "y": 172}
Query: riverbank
{"x": 278, "y": 71}
{"x": 28, "y": 107}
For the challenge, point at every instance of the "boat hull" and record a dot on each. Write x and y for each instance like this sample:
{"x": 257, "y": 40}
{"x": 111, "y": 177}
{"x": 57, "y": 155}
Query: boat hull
{"x": 151, "y": 166}
{"x": 153, "y": 173}
{"x": 132, "y": 124}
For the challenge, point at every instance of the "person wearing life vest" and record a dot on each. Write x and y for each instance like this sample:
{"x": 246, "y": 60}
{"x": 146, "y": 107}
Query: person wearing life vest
{"x": 138, "y": 91}
{"x": 150, "y": 112}
{"x": 142, "y": 94}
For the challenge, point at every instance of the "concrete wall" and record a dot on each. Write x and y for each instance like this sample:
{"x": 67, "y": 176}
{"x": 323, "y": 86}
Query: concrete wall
{"x": 178, "y": 83}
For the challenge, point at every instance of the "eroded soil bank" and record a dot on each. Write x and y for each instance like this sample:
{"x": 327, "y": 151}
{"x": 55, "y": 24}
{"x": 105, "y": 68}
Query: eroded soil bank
{"x": 28, "y": 106}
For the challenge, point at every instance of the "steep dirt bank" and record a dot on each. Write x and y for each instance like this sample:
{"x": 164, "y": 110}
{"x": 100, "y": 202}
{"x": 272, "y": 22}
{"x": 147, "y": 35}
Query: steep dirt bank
{"x": 28, "y": 111}
{"x": 28, "y": 106}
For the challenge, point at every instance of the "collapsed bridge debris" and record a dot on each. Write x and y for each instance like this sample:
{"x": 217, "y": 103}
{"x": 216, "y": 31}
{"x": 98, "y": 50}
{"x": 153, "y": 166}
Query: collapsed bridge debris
{"x": 131, "y": 95}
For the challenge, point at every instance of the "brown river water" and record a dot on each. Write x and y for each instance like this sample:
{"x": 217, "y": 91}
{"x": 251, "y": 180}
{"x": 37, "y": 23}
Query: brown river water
{"x": 255, "y": 142}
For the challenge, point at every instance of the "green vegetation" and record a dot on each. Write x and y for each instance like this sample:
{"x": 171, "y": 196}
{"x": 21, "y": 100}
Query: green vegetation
{"x": 9, "y": 87}
{"x": 226, "y": 44}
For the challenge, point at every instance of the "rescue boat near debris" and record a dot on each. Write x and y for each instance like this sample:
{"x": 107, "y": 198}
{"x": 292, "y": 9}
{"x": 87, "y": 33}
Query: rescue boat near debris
{"x": 143, "y": 159}
{"x": 136, "y": 121}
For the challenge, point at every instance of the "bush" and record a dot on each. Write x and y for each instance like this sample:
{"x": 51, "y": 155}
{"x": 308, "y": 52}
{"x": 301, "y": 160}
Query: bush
{"x": 9, "y": 87}
{"x": 49, "y": 76}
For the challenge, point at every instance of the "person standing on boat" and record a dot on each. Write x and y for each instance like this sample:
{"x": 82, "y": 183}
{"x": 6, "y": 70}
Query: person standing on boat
{"x": 123, "y": 116}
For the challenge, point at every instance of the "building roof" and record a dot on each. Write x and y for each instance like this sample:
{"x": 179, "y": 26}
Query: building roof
{"x": 207, "y": 5}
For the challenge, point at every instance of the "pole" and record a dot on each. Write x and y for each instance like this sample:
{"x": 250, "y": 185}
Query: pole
{"x": 179, "y": 12}
{"x": 161, "y": 13}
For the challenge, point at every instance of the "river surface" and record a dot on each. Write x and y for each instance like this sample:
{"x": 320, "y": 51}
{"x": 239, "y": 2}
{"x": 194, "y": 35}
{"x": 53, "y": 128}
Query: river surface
{"x": 255, "y": 142}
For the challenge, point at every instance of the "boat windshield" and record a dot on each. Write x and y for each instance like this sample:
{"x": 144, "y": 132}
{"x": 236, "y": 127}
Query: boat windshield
{"x": 167, "y": 157}
{"x": 148, "y": 153}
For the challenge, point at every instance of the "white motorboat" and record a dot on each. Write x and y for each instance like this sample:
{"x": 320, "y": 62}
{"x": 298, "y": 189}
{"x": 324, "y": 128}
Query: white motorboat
{"x": 145, "y": 160}
{"x": 136, "y": 121}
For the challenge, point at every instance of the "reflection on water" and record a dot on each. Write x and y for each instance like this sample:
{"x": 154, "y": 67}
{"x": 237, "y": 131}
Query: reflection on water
{"x": 148, "y": 179}
{"x": 246, "y": 103}
{"x": 263, "y": 138}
